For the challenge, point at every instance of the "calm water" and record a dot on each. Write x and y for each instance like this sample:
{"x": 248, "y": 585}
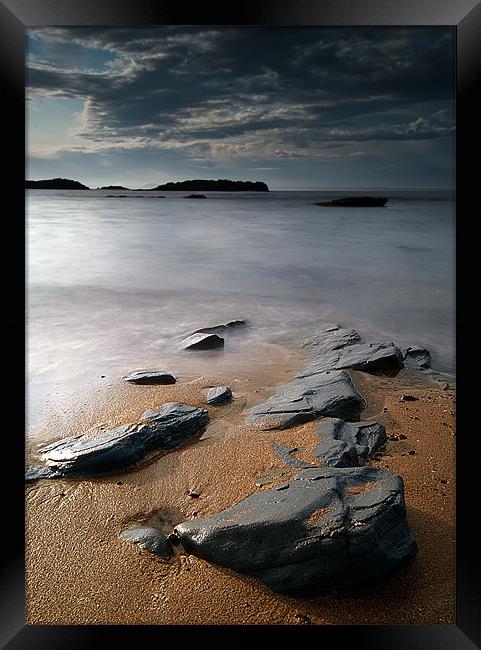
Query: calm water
{"x": 114, "y": 283}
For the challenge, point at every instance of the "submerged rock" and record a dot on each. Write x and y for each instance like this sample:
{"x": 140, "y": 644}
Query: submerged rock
{"x": 202, "y": 342}
{"x": 151, "y": 377}
{"x": 329, "y": 530}
{"x": 120, "y": 449}
{"x": 150, "y": 539}
{"x": 329, "y": 393}
{"x": 348, "y": 444}
{"x": 219, "y": 395}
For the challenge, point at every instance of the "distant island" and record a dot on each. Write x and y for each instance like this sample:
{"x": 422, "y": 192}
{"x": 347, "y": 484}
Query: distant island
{"x": 220, "y": 185}
{"x": 55, "y": 184}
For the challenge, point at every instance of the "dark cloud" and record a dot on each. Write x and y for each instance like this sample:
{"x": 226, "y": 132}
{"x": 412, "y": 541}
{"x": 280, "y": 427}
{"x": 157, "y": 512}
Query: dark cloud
{"x": 264, "y": 93}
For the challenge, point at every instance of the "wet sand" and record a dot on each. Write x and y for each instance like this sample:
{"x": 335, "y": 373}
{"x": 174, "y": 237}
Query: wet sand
{"x": 80, "y": 572}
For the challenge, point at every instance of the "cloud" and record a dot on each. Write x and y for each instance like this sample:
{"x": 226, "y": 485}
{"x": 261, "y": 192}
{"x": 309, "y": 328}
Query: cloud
{"x": 263, "y": 94}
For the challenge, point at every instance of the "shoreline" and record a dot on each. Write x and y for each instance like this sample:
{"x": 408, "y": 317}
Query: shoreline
{"x": 74, "y": 552}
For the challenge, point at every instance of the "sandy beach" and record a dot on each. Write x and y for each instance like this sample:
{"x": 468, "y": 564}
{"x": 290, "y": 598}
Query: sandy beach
{"x": 80, "y": 572}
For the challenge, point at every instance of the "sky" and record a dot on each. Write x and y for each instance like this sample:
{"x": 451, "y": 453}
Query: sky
{"x": 307, "y": 108}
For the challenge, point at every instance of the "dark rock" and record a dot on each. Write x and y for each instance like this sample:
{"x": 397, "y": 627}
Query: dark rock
{"x": 151, "y": 377}
{"x": 195, "y": 196}
{"x": 221, "y": 184}
{"x": 150, "y": 539}
{"x": 202, "y": 342}
{"x": 329, "y": 530}
{"x": 301, "y": 400}
{"x": 348, "y": 444}
{"x": 222, "y": 327}
{"x": 193, "y": 494}
{"x": 355, "y": 202}
{"x": 408, "y": 398}
{"x": 285, "y": 454}
{"x": 336, "y": 348}
{"x": 417, "y": 357}
{"x": 120, "y": 449}
{"x": 37, "y": 473}
{"x": 219, "y": 395}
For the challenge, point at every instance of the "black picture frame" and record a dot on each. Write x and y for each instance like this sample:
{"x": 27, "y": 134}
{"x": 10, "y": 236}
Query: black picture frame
{"x": 465, "y": 16}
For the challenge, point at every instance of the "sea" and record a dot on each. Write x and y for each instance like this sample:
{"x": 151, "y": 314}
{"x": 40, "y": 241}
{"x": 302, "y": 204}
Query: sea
{"x": 114, "y": 283}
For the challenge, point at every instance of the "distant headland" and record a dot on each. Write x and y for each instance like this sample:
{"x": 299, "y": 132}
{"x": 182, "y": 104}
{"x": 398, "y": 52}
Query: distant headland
{"x": 55, "y": 184}
{"x": 219, "y": 185}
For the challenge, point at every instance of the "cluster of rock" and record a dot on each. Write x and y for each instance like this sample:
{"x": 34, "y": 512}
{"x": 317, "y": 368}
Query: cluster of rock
{"x": 333, "y": 528}
{"x": 323, "y": 387}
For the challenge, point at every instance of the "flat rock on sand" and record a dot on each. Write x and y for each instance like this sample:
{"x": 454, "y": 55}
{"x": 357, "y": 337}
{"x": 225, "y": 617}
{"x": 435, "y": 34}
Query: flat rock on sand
{"x": 329, "y": 530}
{"x": 348, "y": 444}
{"x": 151, "y": 377}
{"x": 342, "y": 444}
{"x": 301, "y": 400}
{"x": 120, "y": 449}
{"x": 219, "y": 395}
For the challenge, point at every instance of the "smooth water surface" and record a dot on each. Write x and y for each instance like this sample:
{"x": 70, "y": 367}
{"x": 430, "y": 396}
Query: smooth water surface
{"x": 114, "y": 283}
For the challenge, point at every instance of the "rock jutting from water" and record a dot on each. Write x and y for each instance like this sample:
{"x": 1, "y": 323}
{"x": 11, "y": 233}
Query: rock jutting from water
{"x": 150, "y": 539}
{"x": 195, "y": 196}
{"x": 202, "y": 342}
{"x": 328, "y": 531}
{"x": 329, "y": 393}
{"x": 336, "y": 348}
{"x": 219, "y": 395}
{"x": 355, "y": 202}
{"x": 151, "y": 377}
{"x": 232, "y": 324}
{"x": 121, "y": 448}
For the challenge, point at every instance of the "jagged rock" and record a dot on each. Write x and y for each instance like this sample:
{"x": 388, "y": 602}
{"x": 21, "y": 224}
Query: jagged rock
{"x": 151, "y": 377}
{"x": 335, "y": 348}
{"x": 417, "y": 357}
{"x": 348, "y": 444}
{"x": 329, "y": 393}
{"x": 150, "y": 539}
{"x": 329, "y": 530}
{"x": 219, "y": 395}
{"x": 120, "y": 449}
{"x": 202, "y": 342}
{"x": 37, "y": 473}
{"x": 285, "y": 454}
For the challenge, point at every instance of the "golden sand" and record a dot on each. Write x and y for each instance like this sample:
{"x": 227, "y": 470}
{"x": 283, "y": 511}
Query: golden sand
{"x": 80, "y": 572}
